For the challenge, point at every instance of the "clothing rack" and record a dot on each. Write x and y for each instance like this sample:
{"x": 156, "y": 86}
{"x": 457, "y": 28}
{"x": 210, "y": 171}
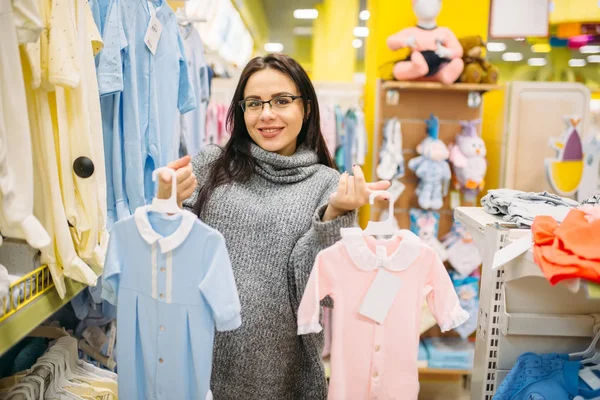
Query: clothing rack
{"x": 519, "y": 311}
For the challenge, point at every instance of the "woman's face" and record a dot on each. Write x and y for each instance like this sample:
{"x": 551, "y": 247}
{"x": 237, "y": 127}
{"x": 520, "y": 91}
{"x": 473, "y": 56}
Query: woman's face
{"x": 273, "y": 128}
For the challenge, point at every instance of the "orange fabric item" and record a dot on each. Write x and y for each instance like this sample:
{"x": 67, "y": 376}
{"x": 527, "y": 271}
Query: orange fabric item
{"x": 568, "y": 250}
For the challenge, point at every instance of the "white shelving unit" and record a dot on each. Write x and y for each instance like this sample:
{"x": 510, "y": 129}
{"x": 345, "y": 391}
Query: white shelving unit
{"x": 519, "y": 310}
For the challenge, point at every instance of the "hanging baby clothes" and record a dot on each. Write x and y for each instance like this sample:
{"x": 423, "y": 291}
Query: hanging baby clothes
{"x": 340, "y": 139}
{"x": 172, "y": 279}
{"x": 61, "y": 115}
{"x": 19, "y": 24}
{"x": 152, "y": 87}
{"x": 345, "y": 272}
{"x": 190, "y": 130}
{"x": 360, "y": 145}
{"x": 79, "y": 134}
{"x": 327, "y": 115}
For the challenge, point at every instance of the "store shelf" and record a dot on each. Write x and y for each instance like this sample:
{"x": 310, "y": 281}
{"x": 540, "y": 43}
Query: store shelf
{"x": 35, "y": 310}
{"x": 547, "y": 325}
{"x": 443, "y": 371}
{"x": 456, "y": 87}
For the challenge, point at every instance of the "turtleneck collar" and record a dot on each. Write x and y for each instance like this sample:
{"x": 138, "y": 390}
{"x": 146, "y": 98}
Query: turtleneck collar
{"x": 285, "y": 169}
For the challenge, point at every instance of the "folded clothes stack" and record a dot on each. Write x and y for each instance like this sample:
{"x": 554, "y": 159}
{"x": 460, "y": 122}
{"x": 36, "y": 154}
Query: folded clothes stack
{"x": 570, "y": 249}
{"x": 521, "y": 208}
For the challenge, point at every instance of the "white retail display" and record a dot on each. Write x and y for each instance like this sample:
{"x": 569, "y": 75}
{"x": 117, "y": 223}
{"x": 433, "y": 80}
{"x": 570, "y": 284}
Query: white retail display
{"x": 519, "y": 311}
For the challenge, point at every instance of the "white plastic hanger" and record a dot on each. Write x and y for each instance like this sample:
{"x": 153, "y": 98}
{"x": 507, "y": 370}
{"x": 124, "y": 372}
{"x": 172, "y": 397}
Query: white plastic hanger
{"x": 386, "y": 227}
{"x": 166, "y": 206}
{"x": 590, "y": 351}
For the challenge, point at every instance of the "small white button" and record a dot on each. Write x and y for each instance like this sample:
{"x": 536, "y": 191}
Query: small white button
{"x": 377, "y": 348}
{"x": 160, "y": 360}
{"x": 375, "y": 374}
{"x": 162, "y": 327}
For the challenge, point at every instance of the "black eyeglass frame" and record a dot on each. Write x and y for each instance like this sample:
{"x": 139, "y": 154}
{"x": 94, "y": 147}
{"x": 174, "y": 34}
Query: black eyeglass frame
{"x": 241, "y": 102}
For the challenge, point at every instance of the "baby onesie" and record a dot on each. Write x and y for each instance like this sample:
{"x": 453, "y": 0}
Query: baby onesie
{"x": 172, "y": 279}
{"x": 19, "y": 23}
{"x": 152, "y": 88}
{"x": 383, "y": 357}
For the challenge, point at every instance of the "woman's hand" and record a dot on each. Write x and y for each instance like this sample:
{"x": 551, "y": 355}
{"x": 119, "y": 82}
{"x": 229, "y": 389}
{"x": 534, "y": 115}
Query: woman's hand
{"x": 186, "y": 180}
{"x": 353, "y": 192}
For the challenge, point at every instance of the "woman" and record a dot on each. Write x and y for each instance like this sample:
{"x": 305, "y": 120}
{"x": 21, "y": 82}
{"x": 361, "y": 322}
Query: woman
{"x": 274, "y": 195}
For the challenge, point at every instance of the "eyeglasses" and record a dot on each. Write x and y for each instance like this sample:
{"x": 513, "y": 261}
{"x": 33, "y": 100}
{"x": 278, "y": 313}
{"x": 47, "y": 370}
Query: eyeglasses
{"x": 255, "y": 106}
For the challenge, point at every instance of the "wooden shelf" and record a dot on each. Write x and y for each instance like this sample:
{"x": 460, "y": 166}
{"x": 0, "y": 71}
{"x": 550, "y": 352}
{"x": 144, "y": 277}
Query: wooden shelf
{"x": 19, "y": 324}
{"x": 456, "y": 87}
{"x": 443, "y": 371}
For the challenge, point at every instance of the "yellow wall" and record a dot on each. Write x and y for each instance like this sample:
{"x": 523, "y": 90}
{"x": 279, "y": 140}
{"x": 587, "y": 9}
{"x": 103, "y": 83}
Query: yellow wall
{"x": 333, "y": 57}
{"x": 575, "y": 11}
{"x": 464, "y": 17}
{"x": 303, "y": 52}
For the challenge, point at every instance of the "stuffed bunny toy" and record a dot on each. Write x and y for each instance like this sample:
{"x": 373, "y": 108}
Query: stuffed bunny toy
{"x": 436, "y": 52}
{"x": 431, "y": 167}
{"x": 468, "y": 158}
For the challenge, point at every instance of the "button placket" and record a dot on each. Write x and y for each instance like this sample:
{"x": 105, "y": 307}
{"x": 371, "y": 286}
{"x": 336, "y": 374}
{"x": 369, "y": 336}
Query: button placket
{"x": 377, "y": 361}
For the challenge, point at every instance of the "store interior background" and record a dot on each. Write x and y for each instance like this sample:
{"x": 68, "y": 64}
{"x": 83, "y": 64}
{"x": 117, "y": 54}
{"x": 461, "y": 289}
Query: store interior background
{"x": 344, "y": 41}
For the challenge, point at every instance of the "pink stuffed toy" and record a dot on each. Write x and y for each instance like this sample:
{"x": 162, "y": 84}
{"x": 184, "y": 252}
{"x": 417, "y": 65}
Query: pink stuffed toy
{"x": 436, "y": 53}
{"x": 468, "y": 158}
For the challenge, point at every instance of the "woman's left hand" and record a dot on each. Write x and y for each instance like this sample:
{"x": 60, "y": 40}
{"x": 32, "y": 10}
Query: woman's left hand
{"x": 353, "y": 192}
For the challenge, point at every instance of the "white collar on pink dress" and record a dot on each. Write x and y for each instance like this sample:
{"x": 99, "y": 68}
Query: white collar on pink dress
{"x": 407, "y": 252}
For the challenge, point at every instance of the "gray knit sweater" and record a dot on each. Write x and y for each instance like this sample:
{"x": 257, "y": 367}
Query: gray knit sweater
{"x": 273, "y": 231}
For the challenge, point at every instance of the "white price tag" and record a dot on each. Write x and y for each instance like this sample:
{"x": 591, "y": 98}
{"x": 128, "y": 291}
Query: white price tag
{"x": 512, "y": 251}
{"x": 153, "y": 32}
{"x": 380, "y": 297}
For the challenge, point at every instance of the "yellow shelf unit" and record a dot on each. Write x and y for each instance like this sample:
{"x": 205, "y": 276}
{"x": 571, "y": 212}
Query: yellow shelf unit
{"x": 30, "y": 301}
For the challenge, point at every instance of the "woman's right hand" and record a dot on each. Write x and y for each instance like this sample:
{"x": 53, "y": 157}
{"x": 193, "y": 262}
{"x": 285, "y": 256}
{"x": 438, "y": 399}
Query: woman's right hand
{"x": 186, "y": 180}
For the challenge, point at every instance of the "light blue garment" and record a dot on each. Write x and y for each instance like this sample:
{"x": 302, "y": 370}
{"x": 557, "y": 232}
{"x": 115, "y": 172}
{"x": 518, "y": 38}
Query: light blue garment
{"x": 172, "y": 279}
{"x": 540, "y": 377}
{"x": 151, "y": 88}
{"x": 349, "y": 137}
{"x": 192, "y": 125}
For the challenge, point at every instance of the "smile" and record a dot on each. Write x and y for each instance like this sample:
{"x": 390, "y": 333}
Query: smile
{"x": 269, "y": 132}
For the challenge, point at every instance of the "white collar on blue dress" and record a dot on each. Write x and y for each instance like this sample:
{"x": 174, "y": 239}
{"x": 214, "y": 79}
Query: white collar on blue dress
{"x": 403, "y": 257}
{"x": 167, "y": 243}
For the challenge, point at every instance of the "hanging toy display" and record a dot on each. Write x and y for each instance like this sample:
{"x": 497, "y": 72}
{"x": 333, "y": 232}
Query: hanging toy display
{"x": 468, "y": 158}
{"x": 391, "y": 165}
{"x": 425, "y": 224}
{"x": 463, "y": 254}
{"x": 436, "y": 52}
{"x": 431, "y": 167}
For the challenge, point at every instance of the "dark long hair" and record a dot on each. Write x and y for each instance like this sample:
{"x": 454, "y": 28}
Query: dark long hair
{"x": 236, "y": 164}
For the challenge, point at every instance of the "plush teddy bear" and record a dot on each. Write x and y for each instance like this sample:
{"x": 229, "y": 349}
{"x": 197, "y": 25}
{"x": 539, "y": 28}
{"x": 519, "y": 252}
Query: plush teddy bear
{"x": 477, "y": 69}
{"x": 435, "y": 51}
{"x": 431, "y": 168}
{"x": 468, "y": 158}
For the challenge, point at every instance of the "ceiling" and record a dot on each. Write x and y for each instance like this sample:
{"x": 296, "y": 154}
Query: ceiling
{"x": 280, "y": 15}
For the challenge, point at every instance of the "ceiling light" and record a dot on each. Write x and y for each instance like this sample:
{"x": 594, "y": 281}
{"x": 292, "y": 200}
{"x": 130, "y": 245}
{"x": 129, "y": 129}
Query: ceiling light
{"x": 273, "y": 47}
{"x": 520, "y": 39}
{"x": 541, "y": 48}
{"x": 357, "y": 43}
{"x": 577, "y": 62}
{"x": 364, "y": 15}
{"x": 512, "y": 57}
{"x": 589, "y": 49}
{"x": 361, "y": 31}
{"x": 303, "y": 30}
{"x": 496, "y": 46}
{"x": 307, "y": 13}
{"x": 593, "y": 59}
{"x": 537, "y": 62}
